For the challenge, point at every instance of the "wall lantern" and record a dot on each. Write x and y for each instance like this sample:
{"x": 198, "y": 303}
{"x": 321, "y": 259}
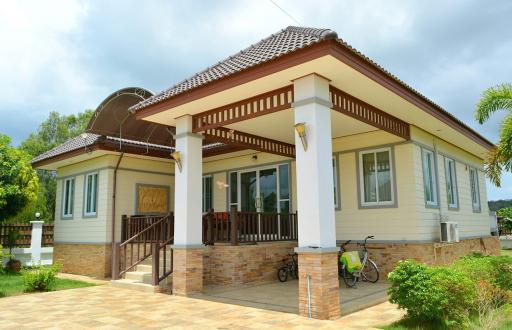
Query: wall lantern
{"x": 176, "y": 156}
{"x": 301, "y": 131}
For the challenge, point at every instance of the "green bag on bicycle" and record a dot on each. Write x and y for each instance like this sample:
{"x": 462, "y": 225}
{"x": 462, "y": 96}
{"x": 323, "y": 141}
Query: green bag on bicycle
{"x": 351, "y": 261}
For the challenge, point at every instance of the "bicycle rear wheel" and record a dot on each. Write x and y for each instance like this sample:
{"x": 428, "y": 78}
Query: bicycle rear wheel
{"x": 370, "y": 273}
{"x": 349, "y": 279}
{"x": 282, "y": 274}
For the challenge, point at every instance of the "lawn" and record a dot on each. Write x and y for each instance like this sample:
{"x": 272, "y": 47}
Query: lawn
{"x": 506, "y": 253}
{"x": 12, "y": 284}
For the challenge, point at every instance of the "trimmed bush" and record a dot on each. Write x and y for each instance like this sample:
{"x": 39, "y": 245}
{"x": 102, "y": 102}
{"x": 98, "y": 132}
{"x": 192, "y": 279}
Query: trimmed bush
{"x": 432, "y": 294}
{"x": 40, "y": 278}
{"x": 474, "y": 285}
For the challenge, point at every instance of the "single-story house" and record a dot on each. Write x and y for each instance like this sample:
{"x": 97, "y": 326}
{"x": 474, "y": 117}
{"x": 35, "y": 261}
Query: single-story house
{"x": 297, "y": 143}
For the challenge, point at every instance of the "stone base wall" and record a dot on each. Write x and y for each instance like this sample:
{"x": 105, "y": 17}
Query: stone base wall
{"x": 387, "y": 255}
{"x": 324, "y": 285}
{"x": 84, "y": 259}
{"x": 187, "y": 271}
{"x": 244, "y": 264}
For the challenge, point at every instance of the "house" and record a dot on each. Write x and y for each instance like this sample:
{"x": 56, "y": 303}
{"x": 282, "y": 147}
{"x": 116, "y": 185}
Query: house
{"x": 298, "y": 142}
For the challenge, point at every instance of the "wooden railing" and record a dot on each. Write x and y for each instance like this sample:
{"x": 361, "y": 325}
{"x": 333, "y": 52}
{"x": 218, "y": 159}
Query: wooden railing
{"x": 24, "y": 231}
{"x": 145, "y": 243}
{"x": 134, "y": 224}
{"x": 249, "y": 227}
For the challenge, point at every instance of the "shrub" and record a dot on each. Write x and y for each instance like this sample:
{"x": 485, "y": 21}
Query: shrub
{"x": 495, "y": 270}
{"x": 40, "y": 278}
{"x": 432, "y": 294}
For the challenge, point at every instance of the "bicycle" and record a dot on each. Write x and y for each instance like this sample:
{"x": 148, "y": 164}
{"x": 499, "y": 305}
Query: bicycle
{"x": 368, "y": 270}
{"x": 290, "y": 268}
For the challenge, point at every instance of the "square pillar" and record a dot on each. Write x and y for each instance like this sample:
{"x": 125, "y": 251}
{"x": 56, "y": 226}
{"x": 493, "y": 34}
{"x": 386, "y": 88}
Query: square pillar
{"x": 188, "y": 241}
{"x": 315, "y": 201}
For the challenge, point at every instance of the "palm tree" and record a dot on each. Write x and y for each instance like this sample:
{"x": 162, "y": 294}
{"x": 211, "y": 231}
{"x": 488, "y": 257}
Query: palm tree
{"x": 500, "y": 157}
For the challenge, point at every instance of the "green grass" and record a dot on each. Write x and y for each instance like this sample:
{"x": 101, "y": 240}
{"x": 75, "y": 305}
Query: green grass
{"x": 506, "y": 252}
{"x": 12, "y": 284}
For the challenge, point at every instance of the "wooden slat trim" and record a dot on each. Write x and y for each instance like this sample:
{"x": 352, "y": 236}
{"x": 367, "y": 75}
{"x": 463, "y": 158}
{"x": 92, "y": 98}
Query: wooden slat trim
{"x": 250, "y": 141}
{"x": 259, "y": 105}
{"x": 367, "y": 113}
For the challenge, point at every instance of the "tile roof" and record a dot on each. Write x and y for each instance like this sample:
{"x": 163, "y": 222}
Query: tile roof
{"x": 70, "y": 145}
{"x": 92, "y": 139}
{"x": 286, "y": 41}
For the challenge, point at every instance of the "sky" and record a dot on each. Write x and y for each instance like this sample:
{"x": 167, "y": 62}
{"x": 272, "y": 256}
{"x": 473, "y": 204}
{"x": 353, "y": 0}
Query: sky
{"x": 69, "y": 55}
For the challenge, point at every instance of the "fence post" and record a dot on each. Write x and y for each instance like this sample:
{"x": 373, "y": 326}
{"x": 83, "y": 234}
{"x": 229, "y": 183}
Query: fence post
{"x": 209, "y": 228}
{"x": 35, "y": 241}
{"x": 234, "y": 226}
{"x": 115, "y": 261}
{"x": 156, "y": 263}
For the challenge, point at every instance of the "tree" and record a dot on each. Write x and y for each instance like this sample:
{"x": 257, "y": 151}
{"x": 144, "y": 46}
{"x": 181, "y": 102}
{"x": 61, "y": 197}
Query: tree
{"x": 18, "y": 180}
{"x": 500, "y": 157}
{"x": 55, "y": 130}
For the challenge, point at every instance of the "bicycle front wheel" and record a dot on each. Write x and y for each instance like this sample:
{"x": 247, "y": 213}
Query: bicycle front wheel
{"x": 282, "y": 274}
{"x": 349, "y": 279}
{"x": 370, "y": 273}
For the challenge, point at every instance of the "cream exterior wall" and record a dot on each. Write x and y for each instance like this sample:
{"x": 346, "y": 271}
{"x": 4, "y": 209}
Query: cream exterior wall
{"x": 410, "y": 220}
{"x": 132, "y": 171}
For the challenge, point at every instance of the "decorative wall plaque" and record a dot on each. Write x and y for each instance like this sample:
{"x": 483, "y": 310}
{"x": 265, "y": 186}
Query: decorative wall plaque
{"x": 152, "y": 199}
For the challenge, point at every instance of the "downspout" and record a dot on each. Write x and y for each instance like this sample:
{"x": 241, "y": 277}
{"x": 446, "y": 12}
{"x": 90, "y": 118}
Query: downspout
{"x": 114, "y": 186}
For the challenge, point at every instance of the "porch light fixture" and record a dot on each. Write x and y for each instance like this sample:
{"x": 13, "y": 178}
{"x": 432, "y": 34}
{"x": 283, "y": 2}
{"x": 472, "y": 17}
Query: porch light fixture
{"x": 176, "y": 156}
{"x": 301, "y": 131}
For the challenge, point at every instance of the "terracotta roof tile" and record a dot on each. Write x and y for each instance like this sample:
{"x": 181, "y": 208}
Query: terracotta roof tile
{"x": 288, "y": 40}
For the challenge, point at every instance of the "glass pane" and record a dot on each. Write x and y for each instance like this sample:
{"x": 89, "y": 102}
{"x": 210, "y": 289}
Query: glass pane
{"x": 67, "y": 191}
{"x": 248, "y": 191}
{"x": 207, "y": 194}
{"x": 89, "y": 192}
{"x": 284, "y": 207}
{"x": 284, "y": 184}
{"x": 384, "y": 176}
{"x": 72, "y": 197}
{"x": 94, "y": 193}
{"x": 335, "y": 182}
{"x": 233, "y": 185}
{"x": 428, "y": 177}
{"x": 268, "y": 190}
{"x": 370, "y": 193}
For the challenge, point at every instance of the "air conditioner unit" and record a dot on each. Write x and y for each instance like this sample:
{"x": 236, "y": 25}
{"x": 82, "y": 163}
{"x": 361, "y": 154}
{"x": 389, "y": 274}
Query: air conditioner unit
{"x": 449, "y": 232}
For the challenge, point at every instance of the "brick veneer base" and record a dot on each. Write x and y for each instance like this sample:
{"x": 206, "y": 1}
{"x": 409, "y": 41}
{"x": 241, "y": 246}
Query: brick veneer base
{"x": 187, "y": 275}
{"x": 244, "y": 264}
{"x": 387, "y": 255}
{"x": 84, "y": 259}
{"x": 324, "y": 285}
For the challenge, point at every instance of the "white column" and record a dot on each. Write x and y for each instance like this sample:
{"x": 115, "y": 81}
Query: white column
{"x": 188, "y": 186}
{"x": 35, "y": 241}
{"x": 315, "y": 188}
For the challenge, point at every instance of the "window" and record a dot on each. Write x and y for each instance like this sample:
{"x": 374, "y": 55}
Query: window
{"x": 91, "y": 194}
{"x": 376, "y": 177}
{"x": 68, "y": 196}
{"x": 451, "y": 183}
{"x": 284, "y": 189}
{"x": 233, "y": 190}
{"x": 207, "y": 193}
{"x": 475, "y": 191}
{"x": 429, "y": 177}
{"x": 335, "y": 179}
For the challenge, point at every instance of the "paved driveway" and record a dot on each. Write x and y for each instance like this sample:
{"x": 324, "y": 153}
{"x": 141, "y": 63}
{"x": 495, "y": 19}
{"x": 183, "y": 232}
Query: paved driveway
{"x": 106, "y": 307}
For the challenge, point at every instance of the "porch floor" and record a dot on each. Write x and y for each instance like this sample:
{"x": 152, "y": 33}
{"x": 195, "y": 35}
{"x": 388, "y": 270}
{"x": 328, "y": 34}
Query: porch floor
{"x": 284, "y": 297}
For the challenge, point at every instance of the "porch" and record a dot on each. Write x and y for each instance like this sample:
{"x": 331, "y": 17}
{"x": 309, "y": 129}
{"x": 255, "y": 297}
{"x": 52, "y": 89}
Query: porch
{"x": 284, "y": 297}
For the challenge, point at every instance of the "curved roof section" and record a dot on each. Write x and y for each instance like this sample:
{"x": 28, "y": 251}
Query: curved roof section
{"x": 113, "y": 119}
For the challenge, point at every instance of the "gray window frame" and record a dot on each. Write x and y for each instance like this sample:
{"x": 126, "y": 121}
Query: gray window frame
{"x": 336, "y": 182}
{"x": 94, "y": 214}
{"x": 453, "y": 207}
{"x": 435, "y": 179}
{"x": 477, "y": 208}
{"x": 63, "y": 215}
{"x": 360, "y": 184}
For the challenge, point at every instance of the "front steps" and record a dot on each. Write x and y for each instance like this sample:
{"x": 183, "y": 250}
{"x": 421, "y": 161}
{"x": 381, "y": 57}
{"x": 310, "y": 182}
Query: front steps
{"x": 140, "y": 280}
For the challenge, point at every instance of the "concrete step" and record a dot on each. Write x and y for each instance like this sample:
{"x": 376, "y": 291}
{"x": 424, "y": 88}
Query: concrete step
{"x": 134, "y": 285}
{"x": 149, "y": 268}
{"x": 144, "y": 277}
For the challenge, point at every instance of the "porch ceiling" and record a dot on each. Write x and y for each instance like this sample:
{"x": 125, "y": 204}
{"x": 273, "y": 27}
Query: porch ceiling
{"x": 343, "y": 76}
{"x": 279, "y": 126}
